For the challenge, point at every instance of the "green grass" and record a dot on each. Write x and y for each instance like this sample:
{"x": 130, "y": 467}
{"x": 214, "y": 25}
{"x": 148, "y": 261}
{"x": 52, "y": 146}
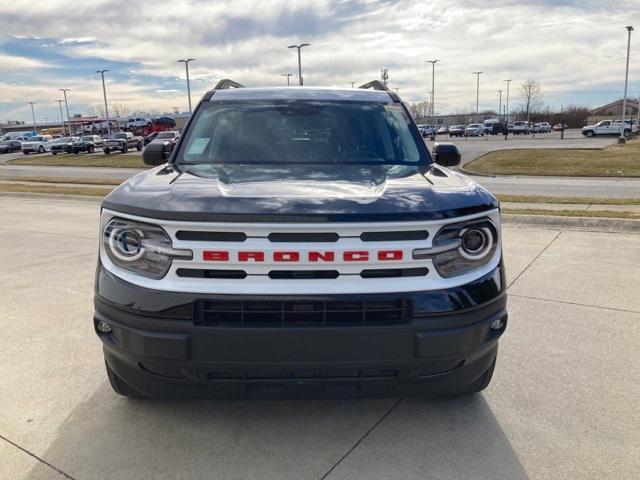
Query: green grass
{"x": 613, "y": 161}
{"x": 119, "y": 160}
{"x": 568, "y": 200}
{"x": 62, "y": 190}
{"x": 74, "y": 180}
{"x": 573, "y": 213}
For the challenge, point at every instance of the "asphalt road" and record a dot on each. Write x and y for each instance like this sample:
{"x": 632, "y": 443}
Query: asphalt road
{"x": 471, "y": 149}
{"x": 563, "y": 403}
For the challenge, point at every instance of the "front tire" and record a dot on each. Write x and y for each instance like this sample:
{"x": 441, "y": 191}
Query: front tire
{"x": 41, "y": 149}
{"x": 139, "y": 147}
{"x": 107, "y": 151}
{"x": 590, "y": 133}
{"x": 124, "y": 149}
{"x": 91, "y": 149}
{"x": 54, "y": 153}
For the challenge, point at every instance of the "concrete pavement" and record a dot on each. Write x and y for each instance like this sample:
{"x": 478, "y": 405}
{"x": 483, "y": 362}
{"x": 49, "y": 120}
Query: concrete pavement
{"x": 562, "y": 405}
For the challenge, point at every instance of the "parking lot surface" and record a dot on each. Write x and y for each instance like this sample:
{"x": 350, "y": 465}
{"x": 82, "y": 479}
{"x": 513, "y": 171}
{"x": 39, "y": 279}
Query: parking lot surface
{"x": 563, "y": 403}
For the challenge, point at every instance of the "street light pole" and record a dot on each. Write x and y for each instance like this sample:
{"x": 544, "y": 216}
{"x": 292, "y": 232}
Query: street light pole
{"x": 66, "y": 106}
{"x": 477, "y": 74}
{"x": 506, "y": 118}
{"x": 500, "y": 104}
{"x": 33, "y": 116}
{"x": 353, "y": 83}
{"x": 61, "y": 116}
{"x": 433, "y": 86}
{"x": 288, "y": 75}
{"x": 299, "y": 47}
{"x": 626, "y": 79}
{"x": 104, "y": 93}
{"x": 186, "y": 67}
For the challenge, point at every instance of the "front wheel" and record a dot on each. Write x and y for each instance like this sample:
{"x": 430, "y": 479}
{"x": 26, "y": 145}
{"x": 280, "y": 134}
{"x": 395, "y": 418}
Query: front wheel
{"x": 54, "y": 153}
{"x": 41, "y": 149}
{"x": 590, "y": 133}
{"x": 107, "y": 151}
{"x": 124, "y": 149}
{"x": 26, "y": 153}
{"x": 91, "y": 149}
{"x": 139, "y": 146}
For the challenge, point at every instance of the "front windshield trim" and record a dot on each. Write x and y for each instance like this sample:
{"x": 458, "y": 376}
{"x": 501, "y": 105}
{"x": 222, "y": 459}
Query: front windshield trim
{"x": 424, "y": 158}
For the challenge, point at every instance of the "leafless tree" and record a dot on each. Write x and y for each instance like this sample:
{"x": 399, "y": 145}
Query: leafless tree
{"x": 120, "y": 110}
{"x": 531, "y": 95}
{"x": 96, "y": 110}
{"x": 420, "y": 110}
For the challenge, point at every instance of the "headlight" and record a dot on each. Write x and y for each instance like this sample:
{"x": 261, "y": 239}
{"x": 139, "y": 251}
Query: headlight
{"x": 140, "y": 247}
{"x": 461, "y": 247}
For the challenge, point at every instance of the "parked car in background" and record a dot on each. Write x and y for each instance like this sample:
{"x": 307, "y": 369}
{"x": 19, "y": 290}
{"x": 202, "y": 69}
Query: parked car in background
{"x": 427, "y": 130}
{"x": 542, "y": 127}
{"x": 488, "y": 124}
{"x": 442, "y": 131}
{"x": 87, "y": 143}
{"x": 10, "y": 146}
{"x": 497, "y": 129}
{"x": 62, "y": 145}
{"x": 122, "y": 141}
{"x": 632, "y": 123}
{"x": 474, "y": 130}
{"x": 168, "y": 139}
{"x": 149, "y": 138}
{"x": 520, "y": 127}
{"x": 456, "y": 130}
{"x": 38, "y": 143}
{"x": 605, "y": 127}
{"x": 138, "y": 122}
{"x": 165, "y": 121}
{"x": 559, "y": 126}
{"x": 22, "y": 136}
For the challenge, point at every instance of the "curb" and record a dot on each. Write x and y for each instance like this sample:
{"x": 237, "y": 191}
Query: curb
{"x": 573, "y": 223}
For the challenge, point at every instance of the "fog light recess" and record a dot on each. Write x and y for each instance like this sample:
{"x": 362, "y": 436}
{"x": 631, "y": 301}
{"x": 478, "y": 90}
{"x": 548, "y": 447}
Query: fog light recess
{"x": 497, "y": 324}
{"x": 104, "y": 327}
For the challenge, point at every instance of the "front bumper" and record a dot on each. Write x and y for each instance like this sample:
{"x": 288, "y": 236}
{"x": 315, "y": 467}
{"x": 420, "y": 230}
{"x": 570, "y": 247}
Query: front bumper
{"x": 156, "y": 347}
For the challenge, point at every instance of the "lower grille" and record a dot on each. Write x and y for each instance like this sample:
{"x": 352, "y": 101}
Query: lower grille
{"x": 213, "y": 313}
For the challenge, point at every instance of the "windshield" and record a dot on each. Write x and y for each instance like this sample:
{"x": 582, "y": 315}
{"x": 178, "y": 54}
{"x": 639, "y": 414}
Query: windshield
{"x": 166, "y": 135}
{"x": 312, "y": 132}
{"x": 87, "y": 139}
{"x": 475, "y": 125}
{"x": 35, "y": 139}
{"x": 63, "y": 140}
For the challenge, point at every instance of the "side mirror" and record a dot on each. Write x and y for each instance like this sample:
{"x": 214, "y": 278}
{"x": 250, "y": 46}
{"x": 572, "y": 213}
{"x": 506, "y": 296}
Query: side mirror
{"x": 155, "y": 154}
{"x": 446, "y": 154}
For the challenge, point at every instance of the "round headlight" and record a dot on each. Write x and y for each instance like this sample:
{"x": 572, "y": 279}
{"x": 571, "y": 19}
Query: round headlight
{"x": 475, "y": 242}
{"x": 126, "y": 244}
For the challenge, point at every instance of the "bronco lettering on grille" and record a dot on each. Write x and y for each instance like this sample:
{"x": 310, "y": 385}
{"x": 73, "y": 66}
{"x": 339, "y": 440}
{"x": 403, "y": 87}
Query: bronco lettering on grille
{"x": 294, "y": 256}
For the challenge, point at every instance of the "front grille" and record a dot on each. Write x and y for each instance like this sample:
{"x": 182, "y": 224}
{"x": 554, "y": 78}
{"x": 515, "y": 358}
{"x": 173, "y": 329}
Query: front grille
{"x": 292, "y": 313}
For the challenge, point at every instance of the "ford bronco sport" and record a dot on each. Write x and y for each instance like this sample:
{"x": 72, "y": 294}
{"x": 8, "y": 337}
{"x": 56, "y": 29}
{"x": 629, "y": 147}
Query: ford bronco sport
{"x": 300, "y": 242}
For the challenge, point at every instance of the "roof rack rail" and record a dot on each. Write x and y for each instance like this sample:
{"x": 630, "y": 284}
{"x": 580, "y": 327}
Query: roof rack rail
{"x": 225, "y": 83}
{"x": 376, "y": 85}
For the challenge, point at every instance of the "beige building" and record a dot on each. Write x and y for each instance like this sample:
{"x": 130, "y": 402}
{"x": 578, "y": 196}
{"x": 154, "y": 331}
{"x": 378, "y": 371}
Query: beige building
{"x": 613, "y": 111}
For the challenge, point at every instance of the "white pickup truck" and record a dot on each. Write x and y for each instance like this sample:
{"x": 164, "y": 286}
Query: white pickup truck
{"x": 608, "y": 127}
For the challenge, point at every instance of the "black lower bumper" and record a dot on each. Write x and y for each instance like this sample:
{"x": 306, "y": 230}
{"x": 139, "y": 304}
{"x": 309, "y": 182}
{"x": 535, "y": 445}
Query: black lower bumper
{"x": 167, "y": 354}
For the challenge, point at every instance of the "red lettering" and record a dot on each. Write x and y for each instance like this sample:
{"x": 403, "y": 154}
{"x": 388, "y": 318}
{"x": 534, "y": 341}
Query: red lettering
{"x": 324, "y": 256}
{"x": 286, "y": 256}
{"x": 246, "y": 256}
{"x": 389, "y": 255}
{"x": 215, "y": 256}
{"x": 355, "y": 256}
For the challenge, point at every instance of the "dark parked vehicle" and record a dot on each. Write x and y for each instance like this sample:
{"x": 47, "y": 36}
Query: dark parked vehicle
{"x": 457, "y": 130}
{"x": 497, "y": 129}
{"x": 122, "y": 141}
{"x": 63, "y": 145}
{"x": 10, "y": 146}
{"x": 300, "y": 242}
{"x": 149, "y": 138}
{"x": 168, "y": 139}
{"x": 87, "y": 143}
{"x": 165, "y": 121}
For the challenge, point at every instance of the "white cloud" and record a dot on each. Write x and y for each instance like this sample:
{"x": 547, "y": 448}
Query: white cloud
{"x": 14, "y": 62}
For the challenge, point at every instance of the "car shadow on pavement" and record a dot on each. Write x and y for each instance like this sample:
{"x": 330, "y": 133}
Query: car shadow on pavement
{"x": 107, "y": 436}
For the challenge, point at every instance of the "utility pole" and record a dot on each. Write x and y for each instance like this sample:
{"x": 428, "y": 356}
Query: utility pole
{"x": 500, "y": 104}
{"x": 353, "y": 83}
{"x": 477, "y": 74}
{"x": 626, "y": 79}
{"x": 288, "y": 75}
{"x": 66, "y": 106}
{"x": 186, "y": 67}
{"x": 33, "y": 116}
{"x": 433, "y": 86}
{"x": 507, "y": 106}
{"x": 61, "y": 116}
{"x": 384, "y": 75}
{"x": 299, "y": 47}
{"x": 104, "y": 93}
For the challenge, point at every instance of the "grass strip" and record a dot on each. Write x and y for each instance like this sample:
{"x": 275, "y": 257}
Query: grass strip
{"x": 573, "y": 213}
{"x": 61, "y": 190}
{"x": 117, "y": 160}
{"x": 613, "y": 161}
{"x": 568, "y": 200}
{"x": 74, "y": 180}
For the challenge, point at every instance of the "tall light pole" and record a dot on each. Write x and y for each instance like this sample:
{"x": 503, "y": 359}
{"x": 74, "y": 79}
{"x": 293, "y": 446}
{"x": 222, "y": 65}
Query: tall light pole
{"x": 299, "y": 47}
{"x": 66, "y": 106}
{"x": 433, "y": 86}
{"x": 61, "y": 116}
{"x": 288, "y": 75}
{"x": 104, "y": 93}
{"x": 477, "y": 74}
{"x": 500, "y": 104}
{"x": 186, "y": 66}
{"x": 626, "y": 79}
{"x": 33, "y": 116}
{"x": 506, "y": 108}
{"x": 353, "y": 83}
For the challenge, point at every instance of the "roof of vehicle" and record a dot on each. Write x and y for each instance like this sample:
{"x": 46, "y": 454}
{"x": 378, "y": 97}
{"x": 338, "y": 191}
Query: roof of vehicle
{"x": 302, "y": 93}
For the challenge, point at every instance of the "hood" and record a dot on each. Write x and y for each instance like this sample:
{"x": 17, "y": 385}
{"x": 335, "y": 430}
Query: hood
{"x": 295, "y": 193}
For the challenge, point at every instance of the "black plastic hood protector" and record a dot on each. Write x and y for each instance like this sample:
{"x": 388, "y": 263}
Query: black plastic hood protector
{"x": 299, "y": 193}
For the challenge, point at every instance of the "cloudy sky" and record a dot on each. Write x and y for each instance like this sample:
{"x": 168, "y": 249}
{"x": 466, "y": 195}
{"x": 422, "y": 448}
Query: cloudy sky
{"x": 575, "y": 48}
